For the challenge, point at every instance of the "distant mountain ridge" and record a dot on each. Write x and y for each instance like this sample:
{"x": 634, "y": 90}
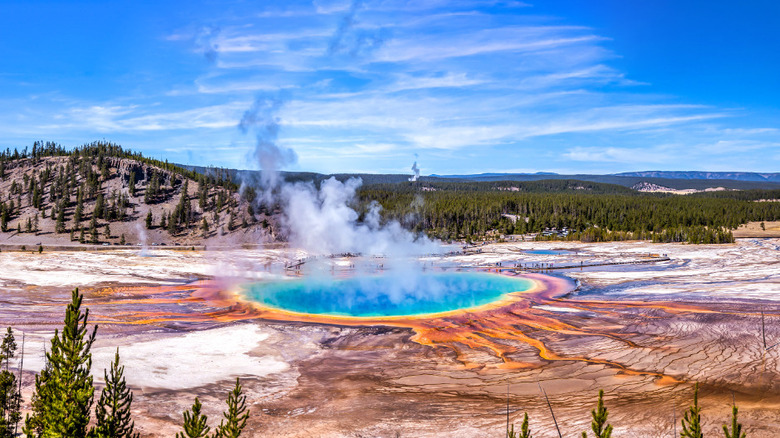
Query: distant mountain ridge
{"x": 675, "y": 180}
{"x": 734, "y": 176}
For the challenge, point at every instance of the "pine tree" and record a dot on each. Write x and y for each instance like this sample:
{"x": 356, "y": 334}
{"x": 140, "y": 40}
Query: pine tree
{"x": 231, "y": 225}
{"x": 8, "y": 347}
{"x": 736, "y": 427}
{"x": 60, "y": 225}
{"x": 112, "y": 412}
{"x": 149, "y": 219}
{"x": 107, "y": 232}
{"x": 63, "y": 391}
{"x": 524, "y": 431}
{"x": 10, "y": 397}
{"x": 194, "y": 423}
{"x": 99, "y": 209}
{"x": 236, "y": 415}
{"x": 79, "y": 208}
{"x": 131, "y": 184}
{"x": 172, "y": 220}
{"x": 599, "y": 425}
{"x": 204, "y": 226}
{"x": 93, "y": 231}
{"x": 691, "y": 422}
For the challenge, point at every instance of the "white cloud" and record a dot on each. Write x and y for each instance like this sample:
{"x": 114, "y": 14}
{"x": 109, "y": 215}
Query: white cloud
{"x": 617, "y": 155}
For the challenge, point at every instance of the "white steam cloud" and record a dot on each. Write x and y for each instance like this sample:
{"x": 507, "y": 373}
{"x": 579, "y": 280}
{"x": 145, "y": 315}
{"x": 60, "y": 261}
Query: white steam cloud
{"x": 322, "y": 222}
{"x": 416, "y": 171}
{"x": 262, "y": 120}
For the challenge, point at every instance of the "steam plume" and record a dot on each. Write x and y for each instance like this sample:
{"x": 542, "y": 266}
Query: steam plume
{"x": 263, "y": 121}
{"x": 206, "y": 42}
{"x": 416, "y": 171}
{"x": 322, "y": 222}
{"x": 348, "y": 39}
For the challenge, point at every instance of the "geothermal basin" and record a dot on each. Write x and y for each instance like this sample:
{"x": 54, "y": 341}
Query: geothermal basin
{"x": 643, "y": 328}
{"x": 387, "y": 295}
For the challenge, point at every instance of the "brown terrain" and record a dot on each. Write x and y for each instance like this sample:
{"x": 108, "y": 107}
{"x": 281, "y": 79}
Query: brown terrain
{"x": 754, "y": 229}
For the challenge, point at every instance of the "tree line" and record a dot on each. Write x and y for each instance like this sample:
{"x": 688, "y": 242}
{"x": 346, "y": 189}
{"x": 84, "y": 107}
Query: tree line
{"x": 472, "y": 210}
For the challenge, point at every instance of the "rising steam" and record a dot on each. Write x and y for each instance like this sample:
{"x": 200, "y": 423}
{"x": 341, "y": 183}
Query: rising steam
{"x": 351, "y": 40}
{"x": 262, "y": 119}
{"x": 416, "y": 171}
{"x": 206, "y": 42}
{"x": 322, "y": 222}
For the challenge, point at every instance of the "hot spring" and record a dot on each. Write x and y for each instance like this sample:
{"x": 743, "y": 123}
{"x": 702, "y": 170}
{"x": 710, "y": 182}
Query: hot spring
{"x": 385, "y": 295}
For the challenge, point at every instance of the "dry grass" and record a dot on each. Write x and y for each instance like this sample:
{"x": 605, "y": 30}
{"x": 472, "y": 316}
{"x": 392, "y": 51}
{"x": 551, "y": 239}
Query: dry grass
{"x": 753, "y": 229}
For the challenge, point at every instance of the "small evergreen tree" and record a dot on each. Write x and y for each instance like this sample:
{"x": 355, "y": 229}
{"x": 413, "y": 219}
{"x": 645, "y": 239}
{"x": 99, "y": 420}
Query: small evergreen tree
{"x": 59, "y": 227}
{"x": 10, "y": 397}
{"x": 231, "y": 225}
{"x": 236, "y": 415}
{"x": 99, "y": 210}
{"x": 194, "y": 423}
{"x": 172, "y": 225}
{"x": 107, "y": 232}
{"x": 131, "y": 184}
{"x": 204, "y": 226}
{"x": 736, "y": 427}
{"x": 112, "y": 412}
{"x": 79, "y": 208}
{"x": 122, "y": 240}
{"x": 599, "y": 425}
{"x": 149, "y": 219}
{"x": 524, "y": 431}
{"x": 93, "y": 231}
{"x": 63, "y": 391}
{"x": 8, "y": 347}
{"x": 691, "y": 422}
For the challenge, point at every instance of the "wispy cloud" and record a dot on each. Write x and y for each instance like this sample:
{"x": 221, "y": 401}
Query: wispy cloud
{"x": 462, "y": 81}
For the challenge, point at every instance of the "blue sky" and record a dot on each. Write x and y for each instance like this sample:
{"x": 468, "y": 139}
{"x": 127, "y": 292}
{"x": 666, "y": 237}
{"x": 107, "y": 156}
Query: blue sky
{"x": 460, "y": 86}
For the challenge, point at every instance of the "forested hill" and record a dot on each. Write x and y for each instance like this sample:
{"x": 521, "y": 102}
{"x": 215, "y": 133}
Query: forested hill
{"x": 588, "y": 211}
{"x": 100, "y": 193}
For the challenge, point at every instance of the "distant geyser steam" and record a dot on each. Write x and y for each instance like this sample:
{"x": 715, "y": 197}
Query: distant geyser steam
{"x": 385, "y": 295}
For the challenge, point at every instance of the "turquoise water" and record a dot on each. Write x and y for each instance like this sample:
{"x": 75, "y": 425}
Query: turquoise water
{"x": 385, "y": 295}
{"x": 549, "y": 252}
